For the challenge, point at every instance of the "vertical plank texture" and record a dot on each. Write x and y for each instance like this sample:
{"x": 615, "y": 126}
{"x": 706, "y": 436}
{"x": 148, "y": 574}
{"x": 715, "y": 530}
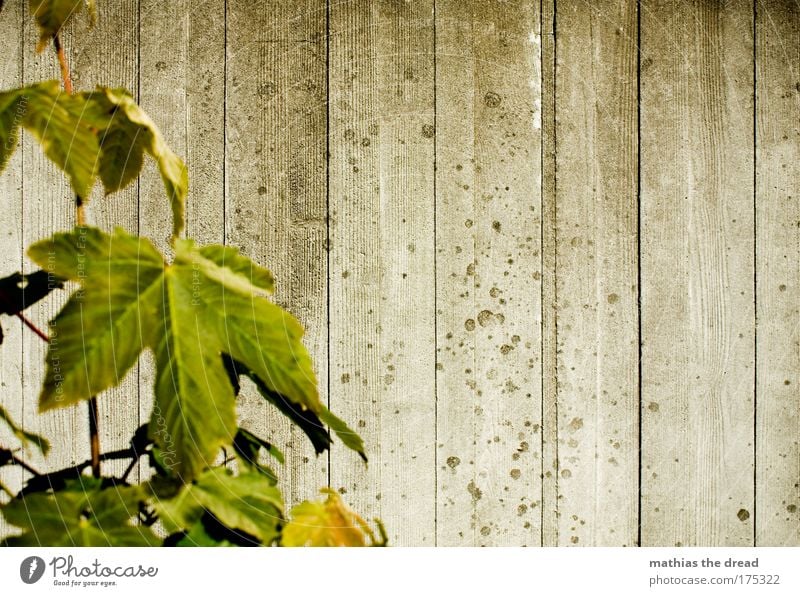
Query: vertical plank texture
{"x": 11, "y": 181}
{"x": 488, "y": 139}
{"x": 48, "y": 206}
{"x": 697, "y": 273}
{"x": 778, "y": 272}
{"x": 106, "y": 54}
{"x": 549, "y": 442}
{"x": 382, "y": 262}
{"x": 597, "y": 269}
{"x": 276, "y": 202}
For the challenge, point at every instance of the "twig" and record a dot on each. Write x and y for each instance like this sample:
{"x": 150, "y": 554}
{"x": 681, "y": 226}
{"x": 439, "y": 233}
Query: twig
{"x": 18, "y": 462}
{"x": 62, "y": 62}
{"x": 130, "y": 467}
{"x": 53, "y": 480}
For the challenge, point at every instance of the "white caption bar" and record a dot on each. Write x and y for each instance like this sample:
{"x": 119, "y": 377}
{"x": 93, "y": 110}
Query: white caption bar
{"x": 352, "y": 572}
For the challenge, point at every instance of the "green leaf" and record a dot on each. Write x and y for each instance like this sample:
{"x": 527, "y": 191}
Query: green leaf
{"x": 312, "y": 423}
{"x": 80, "y": 515}
{"x": 188, "y": 313}
{"x": 247, "y": 447}
{"x": 255, "y": 443}
{"x": 62, "y": 125}
{"x": 51, "y": 15}
{"x": 102, "y": 132}
{"x": 199, "y": 535}
{"x": 128, "y": 134}
{"x": 228, "y": 256}
{"x": 24, "y": 436}
{"x": 305, "y": 419}
{"x": 326, "y": 523}
{"x": 248, "y": 503}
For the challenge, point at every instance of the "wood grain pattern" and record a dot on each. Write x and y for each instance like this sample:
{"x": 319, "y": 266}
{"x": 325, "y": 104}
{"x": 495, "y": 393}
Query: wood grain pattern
{"x": 458, "y": 199}
{"x": 778, "y": 272}
{"x": 549, "y": 510}
{"x": 382, "y": 259}
{"x": 275, "y": 188}
{"x": 488, "y": 233}
{"x": 596, "y": 284}
{"x": 697, "y": 273}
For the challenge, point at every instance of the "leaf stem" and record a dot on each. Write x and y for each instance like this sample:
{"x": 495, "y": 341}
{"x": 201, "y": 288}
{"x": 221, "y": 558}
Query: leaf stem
{"x": 94, "y": 437}
{"x": 62, "y": 62}
{"x": 80, "y": 220}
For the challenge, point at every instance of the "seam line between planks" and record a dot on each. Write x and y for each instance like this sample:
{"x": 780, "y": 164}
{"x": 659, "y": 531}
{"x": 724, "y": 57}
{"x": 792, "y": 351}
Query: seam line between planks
{"x": 435, "y": 295}
{"x": 328, "y": 210}
{"x": 541, "y": 267}
{"x": 755, "y": 278}
{"x": 555, "y": 255}
{"x": 139, "y": 209}
{"x": 639, "y": 291}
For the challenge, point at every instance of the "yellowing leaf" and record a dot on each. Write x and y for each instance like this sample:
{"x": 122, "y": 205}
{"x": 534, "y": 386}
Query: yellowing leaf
{"x": 326, "y": 523}
{"x": 189, "y": 313}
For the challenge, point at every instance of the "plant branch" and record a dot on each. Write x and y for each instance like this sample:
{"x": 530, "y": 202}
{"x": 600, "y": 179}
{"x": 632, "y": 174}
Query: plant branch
{"x": 18, "y": 462}
{"x": 94, "y": 437}
{"x": 80, "y": 220}
{"x": 53, "y": 480}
